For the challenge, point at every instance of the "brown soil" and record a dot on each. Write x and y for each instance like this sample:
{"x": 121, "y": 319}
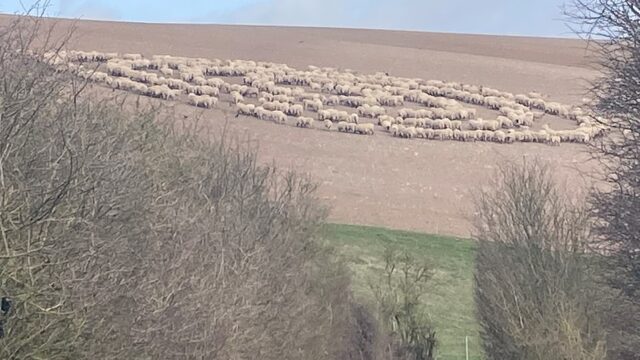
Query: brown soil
{"x": 380, "y": 180}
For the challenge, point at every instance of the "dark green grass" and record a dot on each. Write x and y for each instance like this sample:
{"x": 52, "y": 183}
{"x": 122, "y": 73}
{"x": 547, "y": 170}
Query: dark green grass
{"x": 450, "y": 299}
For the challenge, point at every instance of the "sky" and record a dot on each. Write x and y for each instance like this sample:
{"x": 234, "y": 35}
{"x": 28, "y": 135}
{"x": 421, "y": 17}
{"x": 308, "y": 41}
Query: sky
{"x": 500, "y": 17}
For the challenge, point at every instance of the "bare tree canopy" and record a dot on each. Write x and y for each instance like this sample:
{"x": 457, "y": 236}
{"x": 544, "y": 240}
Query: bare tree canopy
{"x": 532, "y": 287}
{"x": 614, "y": 28}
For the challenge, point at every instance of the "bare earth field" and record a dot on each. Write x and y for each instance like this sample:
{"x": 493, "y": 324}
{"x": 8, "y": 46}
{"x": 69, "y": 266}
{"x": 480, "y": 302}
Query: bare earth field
{"x": 380, "y": 180}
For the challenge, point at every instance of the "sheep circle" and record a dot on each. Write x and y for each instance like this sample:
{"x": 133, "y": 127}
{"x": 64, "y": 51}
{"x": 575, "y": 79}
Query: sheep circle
{"x": 404, "y": 108}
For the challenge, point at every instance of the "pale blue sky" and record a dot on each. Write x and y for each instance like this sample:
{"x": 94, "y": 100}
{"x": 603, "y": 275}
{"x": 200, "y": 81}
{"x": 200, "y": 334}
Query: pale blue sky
{"x": 505, "y": 17}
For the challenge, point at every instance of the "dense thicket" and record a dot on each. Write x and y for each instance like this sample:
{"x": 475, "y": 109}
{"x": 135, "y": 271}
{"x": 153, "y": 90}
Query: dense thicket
{"x": 121, "y": 238}
{"x": 533, "y": 287}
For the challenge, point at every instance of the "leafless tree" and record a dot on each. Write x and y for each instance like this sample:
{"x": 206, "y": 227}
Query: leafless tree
{"x": 532, "y": 284}
{"x": 399, "y": 293}
{"x": 613, "y": 30}
{"x": 124, "y": 238}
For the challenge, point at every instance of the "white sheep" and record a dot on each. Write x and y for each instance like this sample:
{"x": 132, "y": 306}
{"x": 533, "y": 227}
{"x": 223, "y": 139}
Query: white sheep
{"x": 305, "y": 122}
{"x": 236, "y": 97}
{"x": 343, "y": 126}
{"x": 132, "y": 57}
{"x": 205, "y": 101}
{"x": 278, "y": 117}
{"x": 246, "y": 109}
{"x": 443, "y": 134}
{"x": 499, "y": 136}
{"x": 407, "y": 132}
{"x": 491, "y": 125}
{"x": 162, "y": 91}
{"x": 328, "y": 124}
{"x": 364, "y": 129}
{"x": 295, "y": 110}
{"x": 313, "y": 105}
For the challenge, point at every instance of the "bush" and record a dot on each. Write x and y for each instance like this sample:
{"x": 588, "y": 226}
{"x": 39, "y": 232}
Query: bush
{"x": 614, "y": 28}
{"x": 533, "y": 289}
{"x": 398, "y": 294}
{"x": 121, "y": 238}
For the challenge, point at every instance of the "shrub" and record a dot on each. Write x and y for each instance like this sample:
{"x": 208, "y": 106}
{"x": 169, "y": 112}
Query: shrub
{"x": 124, "y": 238}
{"x": 398, "y": 294}
{"x": 533, "y": 289}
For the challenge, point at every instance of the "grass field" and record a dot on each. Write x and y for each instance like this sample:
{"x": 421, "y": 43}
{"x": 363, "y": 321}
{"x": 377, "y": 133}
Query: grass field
{"x": 450, "y": 302}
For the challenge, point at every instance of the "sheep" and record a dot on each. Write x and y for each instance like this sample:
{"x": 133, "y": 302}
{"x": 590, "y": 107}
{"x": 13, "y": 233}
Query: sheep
{"x": 205, "y": 101}
{"x": 305, "y": 122}
{"x": 344, "y": 126}
{"x": 443, "y": 134}
{"x": 162, "y": 91}
{"x": 275, "y": 105}
{"x": 295, "y": 110}
{"x": 395, "y": 129}
{"x": 245, "y": 109}
{"x": 236, "y": 97}
{"x": 115, "y": 69}
{"x": 177, "y": 84}
{"x": 374, "y": 111}
{"x": 579, "y": 136}
{"x": 364, "y": 129}
{"x": 261, "y": 113}
{"x": 391, "y": 100}
{"x": 505, "y": 122}
{"x": 428, "y": 123}
{"x": 216, "y": 82}
{"x": 284, "y": 99}
{"x": 429, "y": 133}
{"x": 140, "y": 64}
{"x": 129, "y": 85}
{"x": 250, "y": 91}
{"x": 555, "y": 140}
{"x": 410, "y": 122}
{"x": 328, "y": 124}
{"x": 266, "y": 96}
{"x": 353, "y": 118}
{"x": 541, "y": 136}
{"x": 313, "y": 105}
{"x": 469, "y": 135}
{"x": 132, "y": 57}
{"x": 457, "y": 135}
{"x": 278, "y": 117}
{"x": 441, "y": 124}
{"x": 407, "y": 113}
{"x": 491, "y": 125}
{"x": 499, "y": 136}
{"x": 332, "y": 100}
{"x": 386, "y": 125}
{"x": 334, "y": 115}
{"x": 407, "y": 132}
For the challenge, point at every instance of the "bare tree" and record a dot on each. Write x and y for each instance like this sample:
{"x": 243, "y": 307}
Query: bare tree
{"x": 613, "y": 30}
{"x": 121, "y": 238}
{"x": 532, "y": 284}
{"x": 613, "y": 26}
{"x": 399, "y": 293}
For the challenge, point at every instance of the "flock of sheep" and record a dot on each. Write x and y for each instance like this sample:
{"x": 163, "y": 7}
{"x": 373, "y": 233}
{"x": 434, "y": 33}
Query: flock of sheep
{"x": 403, "y": 107}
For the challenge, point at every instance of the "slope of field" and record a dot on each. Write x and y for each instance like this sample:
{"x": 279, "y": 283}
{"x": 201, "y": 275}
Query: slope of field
{"x": 449, "y": 300}
{"x": 414, "y": 185}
